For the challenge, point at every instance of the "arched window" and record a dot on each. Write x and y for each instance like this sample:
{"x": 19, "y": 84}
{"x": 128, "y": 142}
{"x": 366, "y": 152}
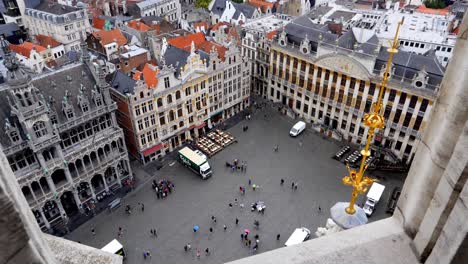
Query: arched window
{"x": 20, "y": 99}
{"x": 40, "y": 129}
{"x": 141, "y": 95}
{"x": 160, "y": 102}
{"x": 169, "y": 99}
{"x": 177, "y": 95}
{"x": 171, "y": 116}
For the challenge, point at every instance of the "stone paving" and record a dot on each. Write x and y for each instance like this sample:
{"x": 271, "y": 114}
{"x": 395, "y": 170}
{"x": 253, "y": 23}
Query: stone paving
{"x": 195, "y": 201}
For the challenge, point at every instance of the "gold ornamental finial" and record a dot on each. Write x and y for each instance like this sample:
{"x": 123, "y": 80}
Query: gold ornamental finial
{"x": 373, "y": 120}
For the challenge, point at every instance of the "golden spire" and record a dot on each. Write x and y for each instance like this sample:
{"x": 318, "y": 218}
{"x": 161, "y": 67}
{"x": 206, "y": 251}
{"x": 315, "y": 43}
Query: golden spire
{"x": 373, "y": 120}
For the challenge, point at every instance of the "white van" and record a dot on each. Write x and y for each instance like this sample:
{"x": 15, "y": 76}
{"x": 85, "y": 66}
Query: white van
{"x": 114, "y": 247}
{"x": 297, "y": 129}
{"x": 298, "y": 236}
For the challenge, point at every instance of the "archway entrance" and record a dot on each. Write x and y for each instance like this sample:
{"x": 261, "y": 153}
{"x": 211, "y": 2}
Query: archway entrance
{"x": 68, "y": 203}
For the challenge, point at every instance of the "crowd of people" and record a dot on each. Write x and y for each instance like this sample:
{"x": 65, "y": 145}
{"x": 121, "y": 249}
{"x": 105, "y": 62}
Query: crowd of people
{"x": 163, "y": 188}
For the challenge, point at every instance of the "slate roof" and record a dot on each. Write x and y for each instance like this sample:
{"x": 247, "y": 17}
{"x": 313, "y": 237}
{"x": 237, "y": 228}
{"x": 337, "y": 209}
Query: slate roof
{"x": 121, "y": 82}
{"x": 176, "y": 57}
{"x": 218, "y": 7}
{"x": 319, "y": 11}
{"x": 247, "y": 10}
{"x": 301, "y": 26}
{"x": 408, "y": 64}
{"x": 8, "y": 29}
{"x": 54, "y": 94}
{"x": 55, "y": 8}
{"x": 346, "y": 15}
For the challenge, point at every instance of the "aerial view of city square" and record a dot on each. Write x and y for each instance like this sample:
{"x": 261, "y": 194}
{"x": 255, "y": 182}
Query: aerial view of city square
{"x": 233, "y": 131}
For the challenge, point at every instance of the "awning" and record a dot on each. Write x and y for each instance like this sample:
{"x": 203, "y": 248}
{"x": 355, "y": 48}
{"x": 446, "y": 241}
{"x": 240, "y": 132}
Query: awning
{"x": 153, "y": 149}
{"x": 202, "y": 125}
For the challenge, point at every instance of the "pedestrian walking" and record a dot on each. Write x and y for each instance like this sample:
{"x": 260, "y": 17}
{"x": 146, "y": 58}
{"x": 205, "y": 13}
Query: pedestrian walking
{"x": 235, "y": 202}
{"x": 320, "y": 209}
{"x": 255, "y": 247}
{"x": 241, "y": 206}
{"x": 242, "y": 236}
{"x": 295, "y": 186}
{"x": 93, "y": 231}
{"x": 185, "y": 248}
{"x": 237, "y": 221}
{"x": 142, "y": 207}
{"x": 224, "y": 227}
{"x": 245, "y": 167}
{"x": 292, "y": 185}
{"x": 155, "y": 233}
{"x": 256, "y": 236}
{"x": 230, "y": 205}
{"x": 278, "y": 237}
{"x": 250, "y": 242}
{"x": 207, "y": 251}
{"x": 213, "y": 219}
{"x": 198, "y": 253}
{"x": 282, "y": 181}
{"x": 211, "y": 230}
{"x": 247, "y": 242}
{"x": 250, "y": 182}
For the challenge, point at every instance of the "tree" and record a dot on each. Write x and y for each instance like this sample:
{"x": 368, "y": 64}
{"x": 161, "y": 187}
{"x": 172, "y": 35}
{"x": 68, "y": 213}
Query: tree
{"x": 202, "y": 3}
{"x": 436, "y": 4}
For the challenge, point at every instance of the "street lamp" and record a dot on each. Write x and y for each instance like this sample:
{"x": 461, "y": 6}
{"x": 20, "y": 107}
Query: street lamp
{"x": 348, "y": 215}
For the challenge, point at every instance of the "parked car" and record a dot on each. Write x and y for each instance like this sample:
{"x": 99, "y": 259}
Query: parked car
{"x": 392, "y": 201}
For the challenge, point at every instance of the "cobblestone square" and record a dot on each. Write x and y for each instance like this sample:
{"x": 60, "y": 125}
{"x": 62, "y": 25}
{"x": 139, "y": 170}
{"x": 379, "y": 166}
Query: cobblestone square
{"x": 305, "y": 160}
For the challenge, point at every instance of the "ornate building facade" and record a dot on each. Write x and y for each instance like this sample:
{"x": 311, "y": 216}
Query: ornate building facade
{"x": 179, "y": 100}
{"x": 330, "y": 80}
{"x": 61, "y": 138}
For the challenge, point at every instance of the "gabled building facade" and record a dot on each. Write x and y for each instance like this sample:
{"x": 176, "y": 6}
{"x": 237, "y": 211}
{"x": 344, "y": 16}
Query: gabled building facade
{"x": 61, "y": 138}
{"x": 65, "y": 24}
{"x": 331, "y": 81}
{"x": 187, "y": 94}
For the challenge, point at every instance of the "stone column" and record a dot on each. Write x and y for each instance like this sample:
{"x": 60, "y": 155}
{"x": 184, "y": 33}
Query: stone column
{"x": 433, "y": 161}
{"x": 46, "y": 222}
{"x": 117, "y": 172}
{"x": 77, "y": 199}
{"x": 65, "y": 164}
{"x": 60, "y": 207}
{"x": 106, "y": 187}
{"x": 93, "y": 194}
{"x": 51, "y": 184}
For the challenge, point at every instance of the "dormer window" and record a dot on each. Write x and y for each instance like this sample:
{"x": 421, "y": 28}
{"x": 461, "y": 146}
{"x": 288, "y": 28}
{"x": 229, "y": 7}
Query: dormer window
{"x": 40, "y": 129}
{"x": 84, "y": 107}
{"x": 53, "y": 119}
{"x": 69, "y": 113}
{"x": 14, "y": 136}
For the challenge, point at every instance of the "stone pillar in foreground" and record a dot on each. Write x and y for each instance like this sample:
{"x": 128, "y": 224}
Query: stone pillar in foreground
{"x": 433, "y": 200}
{"x": 21, "y": 240}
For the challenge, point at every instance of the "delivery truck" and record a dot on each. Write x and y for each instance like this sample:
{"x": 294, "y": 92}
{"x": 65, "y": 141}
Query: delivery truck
{"x": 373, "y": 197}
{"x": 195, "y": 162}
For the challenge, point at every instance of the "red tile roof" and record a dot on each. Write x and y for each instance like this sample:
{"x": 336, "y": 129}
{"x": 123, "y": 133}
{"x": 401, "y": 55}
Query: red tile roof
{"x": 270, "y": 35}
{"x": 110, "y": 36}
{"x": 263, "y": 5}
{"x": 218, "y": 25}
{"x": 98, "y": 23}
{"x": 140, "y": 26}
{"x": 432, "y": 11}
{"x": 206, "y": 46}
{"x": 150, "y": 73}
{"x": 26, "y": 48}
{"x": 184, "y": 42}
{"x": 46, "y": 41}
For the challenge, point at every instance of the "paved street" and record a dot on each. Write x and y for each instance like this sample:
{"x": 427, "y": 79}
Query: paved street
{"x": 195, "y": 200}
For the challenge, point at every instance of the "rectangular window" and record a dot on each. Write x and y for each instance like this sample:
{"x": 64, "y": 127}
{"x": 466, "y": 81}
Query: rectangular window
{"x": 143, "y": 139}
{"x": 166, "y": 82}
{"x": 162, "y": 119}
{"x": 147, "y": 123}
{"x": 140, "y": 124}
